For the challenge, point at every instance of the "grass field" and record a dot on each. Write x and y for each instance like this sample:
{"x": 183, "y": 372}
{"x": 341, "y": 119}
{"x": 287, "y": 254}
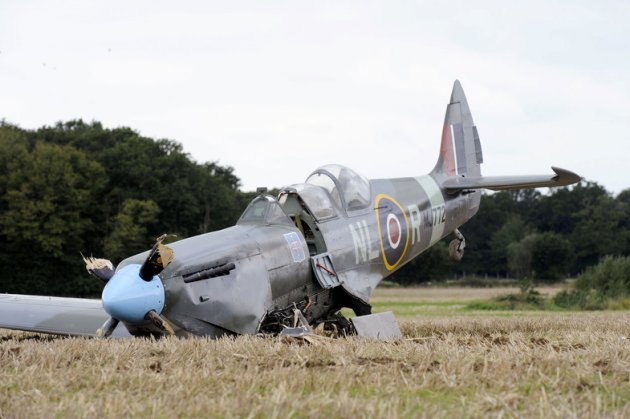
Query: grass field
{"x": 434, "y": 301}
{"x": 453, "y": 362}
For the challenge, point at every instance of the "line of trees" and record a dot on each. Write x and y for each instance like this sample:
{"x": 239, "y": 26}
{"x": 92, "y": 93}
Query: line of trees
{"x": 77, "y": 187}
{"x": 527, "y": 234}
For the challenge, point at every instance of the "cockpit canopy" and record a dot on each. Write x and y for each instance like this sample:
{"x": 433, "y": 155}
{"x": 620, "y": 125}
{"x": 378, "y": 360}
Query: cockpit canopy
{"x": 327, "y": 191}
{"x": 347, "y": 188}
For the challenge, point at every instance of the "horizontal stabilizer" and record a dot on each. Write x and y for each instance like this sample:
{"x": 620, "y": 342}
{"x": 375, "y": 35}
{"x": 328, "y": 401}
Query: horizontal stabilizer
{"x": 500, "y": 183}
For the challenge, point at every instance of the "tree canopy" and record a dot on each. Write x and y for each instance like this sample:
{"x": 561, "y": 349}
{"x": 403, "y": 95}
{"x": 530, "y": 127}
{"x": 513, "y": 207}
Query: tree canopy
{"x": 78, "y": 187}
{"x": 545, "y": 236}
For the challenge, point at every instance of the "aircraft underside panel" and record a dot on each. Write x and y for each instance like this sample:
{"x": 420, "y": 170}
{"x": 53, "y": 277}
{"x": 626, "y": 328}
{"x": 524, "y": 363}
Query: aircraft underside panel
{"x": 360, "y": 284}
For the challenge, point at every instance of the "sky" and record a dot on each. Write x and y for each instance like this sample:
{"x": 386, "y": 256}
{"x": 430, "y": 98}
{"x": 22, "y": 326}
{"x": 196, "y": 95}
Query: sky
{"x": 276, "y": 89}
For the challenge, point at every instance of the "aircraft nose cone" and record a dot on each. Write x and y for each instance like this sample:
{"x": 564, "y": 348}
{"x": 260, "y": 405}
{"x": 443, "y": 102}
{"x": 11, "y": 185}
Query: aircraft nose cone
{"x": 128, "y": 297}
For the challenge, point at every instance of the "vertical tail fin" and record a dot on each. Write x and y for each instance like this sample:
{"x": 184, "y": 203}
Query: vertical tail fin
{"x": 460, "y": 152}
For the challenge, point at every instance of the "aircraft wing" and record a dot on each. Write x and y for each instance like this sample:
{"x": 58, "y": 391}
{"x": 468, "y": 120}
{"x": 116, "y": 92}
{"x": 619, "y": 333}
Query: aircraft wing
{"x": 561, "y": 177}
{"x": 56, "y": 315}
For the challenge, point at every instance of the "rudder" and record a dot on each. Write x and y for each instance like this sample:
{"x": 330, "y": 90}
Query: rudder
{"x": 460, "y": 150}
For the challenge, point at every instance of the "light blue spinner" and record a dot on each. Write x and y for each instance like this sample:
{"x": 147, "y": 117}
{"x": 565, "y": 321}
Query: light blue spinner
{"x": 127, "y": 297}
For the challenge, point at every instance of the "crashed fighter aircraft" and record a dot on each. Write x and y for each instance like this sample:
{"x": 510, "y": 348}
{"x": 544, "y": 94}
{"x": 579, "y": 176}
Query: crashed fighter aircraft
{"x": 318, "y": 247}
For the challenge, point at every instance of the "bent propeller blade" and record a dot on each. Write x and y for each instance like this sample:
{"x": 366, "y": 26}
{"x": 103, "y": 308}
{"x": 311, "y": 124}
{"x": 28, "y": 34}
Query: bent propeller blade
{"x": 158, "y": 259}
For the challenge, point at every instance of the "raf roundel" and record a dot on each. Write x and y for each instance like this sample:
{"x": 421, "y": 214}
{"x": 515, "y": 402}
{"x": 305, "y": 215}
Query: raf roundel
{"x": 392, "y": 230}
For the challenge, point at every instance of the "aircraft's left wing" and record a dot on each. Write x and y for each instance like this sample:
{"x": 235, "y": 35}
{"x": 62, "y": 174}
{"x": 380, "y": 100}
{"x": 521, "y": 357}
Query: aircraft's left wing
{"x": 561, "y": 177}
{"x": 61, "y": 316}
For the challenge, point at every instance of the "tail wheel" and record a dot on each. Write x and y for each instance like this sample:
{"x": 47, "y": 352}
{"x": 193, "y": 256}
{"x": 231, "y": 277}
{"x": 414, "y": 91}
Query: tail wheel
{"x": 455, "y": 250}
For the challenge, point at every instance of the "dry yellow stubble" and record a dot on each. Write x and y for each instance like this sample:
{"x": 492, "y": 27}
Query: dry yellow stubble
{"x": 562, "y": 365}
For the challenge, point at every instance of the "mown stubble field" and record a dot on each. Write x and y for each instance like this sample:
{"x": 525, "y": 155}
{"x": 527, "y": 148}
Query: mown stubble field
{"x": 463, "y": 364}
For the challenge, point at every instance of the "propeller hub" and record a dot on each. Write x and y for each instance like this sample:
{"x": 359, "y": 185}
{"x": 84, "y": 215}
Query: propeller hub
{"x": 128, "y": 297}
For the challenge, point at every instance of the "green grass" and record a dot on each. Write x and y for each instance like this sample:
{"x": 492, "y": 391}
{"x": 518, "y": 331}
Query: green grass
{"x": 410, "y": 309}
{"x": 455, "y": 301}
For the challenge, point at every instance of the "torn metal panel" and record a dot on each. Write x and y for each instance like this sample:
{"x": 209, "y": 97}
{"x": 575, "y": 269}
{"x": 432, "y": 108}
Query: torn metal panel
{"x": 300, "y": 321}
{"x": 301, "y": 329}
{"x": 377, "y": 326}
{"x": 295, "y": 332}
